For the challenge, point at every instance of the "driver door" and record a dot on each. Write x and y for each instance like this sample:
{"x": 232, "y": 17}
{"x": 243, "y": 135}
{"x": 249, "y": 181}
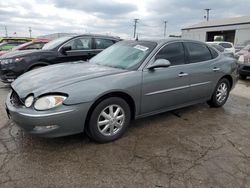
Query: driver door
{"x": 166, "y": 87}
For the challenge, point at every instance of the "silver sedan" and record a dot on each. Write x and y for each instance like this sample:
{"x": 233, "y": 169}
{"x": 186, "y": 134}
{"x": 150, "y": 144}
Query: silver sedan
{"x": 129, "y": 80}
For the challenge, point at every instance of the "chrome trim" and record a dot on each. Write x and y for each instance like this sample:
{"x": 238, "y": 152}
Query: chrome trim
{"x": 177, "y": 88}
{"x": 199, "y": 84}
{"x": 182, "y": 74}
{"x": 45, "y": 115}
{"x": 167, "y": 90}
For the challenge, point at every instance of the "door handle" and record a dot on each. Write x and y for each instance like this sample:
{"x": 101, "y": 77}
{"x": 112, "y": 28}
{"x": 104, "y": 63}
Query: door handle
{"x": 216, "y": 69}
{"x": 182, "y": 74}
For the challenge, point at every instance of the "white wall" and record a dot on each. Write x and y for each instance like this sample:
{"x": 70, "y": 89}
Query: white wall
{"x": 242, "y": 33}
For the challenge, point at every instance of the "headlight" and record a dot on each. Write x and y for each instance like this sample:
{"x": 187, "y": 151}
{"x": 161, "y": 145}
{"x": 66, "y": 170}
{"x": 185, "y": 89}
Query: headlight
{"x": 48, "y": 102}
{"x": 29, "y": 101}
{"x": 13, "y": 60}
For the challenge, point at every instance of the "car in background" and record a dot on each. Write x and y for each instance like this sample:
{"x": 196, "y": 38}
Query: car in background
{"x": 64, "y": 49}
{"x": 35, "y": 44}
{"x": 244, "y": 68}
{"x": 222, "y": 50}
{"x": 244, "y": 50}
{"x": 129, "y": 80}
{"x": 15, "y": 39}
{"x": 229, "y": 47}
{"x": 5, "y": 46}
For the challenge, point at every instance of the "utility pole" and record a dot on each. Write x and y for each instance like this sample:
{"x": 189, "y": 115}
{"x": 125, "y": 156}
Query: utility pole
{"x": 165, "y": 28}
{"x": 30, "y": 31}
{"x": 207, "y": 9}
{"x": 6, "y": 31}
{"x": 135, "y": 25}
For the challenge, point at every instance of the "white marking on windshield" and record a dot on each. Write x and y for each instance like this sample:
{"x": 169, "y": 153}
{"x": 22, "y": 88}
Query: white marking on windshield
{"x": 142, "y": 48}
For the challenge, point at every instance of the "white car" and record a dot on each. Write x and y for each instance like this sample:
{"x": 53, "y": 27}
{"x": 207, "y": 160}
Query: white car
{"x": 229, "y": 47}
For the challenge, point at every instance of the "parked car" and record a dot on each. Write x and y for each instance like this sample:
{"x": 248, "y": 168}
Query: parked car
{"x": 129, "y": 80}
{"x": 15, "y": 39}
{"x": 64, "y": 49}
{"x": 35, "y": 44}
{"x": 5, "y": 46}
{"x": 244, "y": 50}
{"x": 222, "y": 50}
{"x": 229, "y": 47}
{"x": 244, "y": 69}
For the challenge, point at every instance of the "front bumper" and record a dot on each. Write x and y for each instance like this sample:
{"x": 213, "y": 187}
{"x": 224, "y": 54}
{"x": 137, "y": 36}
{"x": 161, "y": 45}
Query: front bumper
{"x": 245, "y": 69}
{"x": 61, "y": 121}
{"x": 9, "y": 72}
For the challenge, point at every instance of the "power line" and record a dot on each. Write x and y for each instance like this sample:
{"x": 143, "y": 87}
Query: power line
{"x": 135, "y": 25}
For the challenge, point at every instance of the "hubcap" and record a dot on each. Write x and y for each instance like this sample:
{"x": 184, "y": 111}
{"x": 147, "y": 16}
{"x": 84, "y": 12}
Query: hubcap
{"x": 221, "y": 93}
{"x": 111, "y": 120}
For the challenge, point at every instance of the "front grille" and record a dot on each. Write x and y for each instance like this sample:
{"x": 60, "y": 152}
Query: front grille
{"x": 15, "y": 99}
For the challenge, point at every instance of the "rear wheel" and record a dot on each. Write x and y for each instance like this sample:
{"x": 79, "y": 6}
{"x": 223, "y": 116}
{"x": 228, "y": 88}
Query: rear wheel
{"x": 109, "y": 120}
{"x": 220, "y": 94}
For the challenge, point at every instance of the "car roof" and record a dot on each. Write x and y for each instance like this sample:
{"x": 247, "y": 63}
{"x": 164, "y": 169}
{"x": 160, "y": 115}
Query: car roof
{"x": 96, "y": 35}
{"x": 163, "y": 41}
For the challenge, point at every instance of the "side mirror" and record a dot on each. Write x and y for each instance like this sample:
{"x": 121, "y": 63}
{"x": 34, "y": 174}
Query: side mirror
{"x": 159, "y": 63}
{"x": 64, "y": 49}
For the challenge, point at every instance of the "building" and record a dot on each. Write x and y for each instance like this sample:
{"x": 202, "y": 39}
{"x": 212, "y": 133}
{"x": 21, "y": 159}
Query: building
{"x": 235, "y": 30}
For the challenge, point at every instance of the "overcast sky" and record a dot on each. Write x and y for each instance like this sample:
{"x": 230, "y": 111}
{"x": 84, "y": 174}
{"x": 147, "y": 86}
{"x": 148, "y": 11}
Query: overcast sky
{"x": 114, "y": 17}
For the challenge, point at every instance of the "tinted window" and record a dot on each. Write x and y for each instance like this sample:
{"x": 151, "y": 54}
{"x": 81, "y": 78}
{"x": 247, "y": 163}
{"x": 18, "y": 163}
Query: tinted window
{"x": 226, "y": 45}
{"x": 80, "y": 44}
{"x": 35, "y": 46}
{"x": 198, "y": 52}
{"x": 103, "y": 43}
{"x": 214, "y": 53}
{"x": 174, "y": 53}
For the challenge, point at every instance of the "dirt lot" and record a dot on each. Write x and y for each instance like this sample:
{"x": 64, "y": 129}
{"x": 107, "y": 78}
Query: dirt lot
{"x": 196, "y": 146}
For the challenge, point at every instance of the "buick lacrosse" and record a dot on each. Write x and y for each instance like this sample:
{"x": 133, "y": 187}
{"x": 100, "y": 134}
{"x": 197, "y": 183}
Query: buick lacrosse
{"x": 129, "y": 80}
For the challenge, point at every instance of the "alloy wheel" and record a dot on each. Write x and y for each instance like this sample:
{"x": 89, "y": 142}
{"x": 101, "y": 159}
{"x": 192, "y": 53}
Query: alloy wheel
{"x": 111, "y": 120}
{"x": 222, "y": 92}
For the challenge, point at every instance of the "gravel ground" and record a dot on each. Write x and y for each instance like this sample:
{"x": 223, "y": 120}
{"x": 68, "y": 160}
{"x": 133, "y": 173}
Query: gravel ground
{"x": 196, "y": 146}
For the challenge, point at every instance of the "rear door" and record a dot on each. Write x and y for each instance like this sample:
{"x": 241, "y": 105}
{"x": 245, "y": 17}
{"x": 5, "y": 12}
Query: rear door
{"x": 203, "y": 70}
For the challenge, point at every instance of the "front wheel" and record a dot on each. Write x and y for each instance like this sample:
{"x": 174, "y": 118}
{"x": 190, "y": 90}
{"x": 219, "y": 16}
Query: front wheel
{"x": 220, "y": 94}
{"x": 109, "y": 120}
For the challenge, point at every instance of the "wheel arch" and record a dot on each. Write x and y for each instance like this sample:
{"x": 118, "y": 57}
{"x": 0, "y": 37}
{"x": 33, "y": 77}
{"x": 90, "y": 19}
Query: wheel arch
{"x": 38, "y": 63}
{"x": 229, "y": 78}
{"x": 125, "y": 96}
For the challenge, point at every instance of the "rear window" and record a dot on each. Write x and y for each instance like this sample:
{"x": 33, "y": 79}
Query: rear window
{"x": 198, "y": 52}
{"x": 226, "y": 45}
{"x": 213, "y": 52}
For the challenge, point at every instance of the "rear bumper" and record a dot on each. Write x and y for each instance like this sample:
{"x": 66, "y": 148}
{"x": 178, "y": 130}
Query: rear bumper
{"x": 61, "y": 121}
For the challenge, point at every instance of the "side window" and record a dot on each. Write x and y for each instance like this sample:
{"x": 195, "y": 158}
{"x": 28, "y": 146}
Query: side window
{"x": 80, "y": 44}
{"x": 173, "y": 52}
{"x": 35, "y": 46}
{"x": 198, "y": 52}
{"x": 103, "y": 43}
{"x": 213, "y": 52}
{"x": 226, "y": 45}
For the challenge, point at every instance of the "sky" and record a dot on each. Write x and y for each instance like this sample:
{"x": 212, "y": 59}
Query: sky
{"x": 112, "y": 17}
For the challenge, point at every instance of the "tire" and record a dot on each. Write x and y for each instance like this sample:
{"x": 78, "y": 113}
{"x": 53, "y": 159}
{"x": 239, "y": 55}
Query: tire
{"x": 222, "y": 90}
{"x": 243, "y": 77}
{"x": 110, "y": 126}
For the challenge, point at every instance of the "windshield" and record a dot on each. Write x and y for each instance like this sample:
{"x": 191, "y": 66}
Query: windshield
{"x": 124, "y": 55}
{"x": 54, "y": 43}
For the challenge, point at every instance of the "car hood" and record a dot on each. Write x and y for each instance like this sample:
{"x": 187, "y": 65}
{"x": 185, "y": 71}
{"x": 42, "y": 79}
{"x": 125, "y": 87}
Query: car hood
{"x": 49, "y": 79}
{"x": 21, "y": 53}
